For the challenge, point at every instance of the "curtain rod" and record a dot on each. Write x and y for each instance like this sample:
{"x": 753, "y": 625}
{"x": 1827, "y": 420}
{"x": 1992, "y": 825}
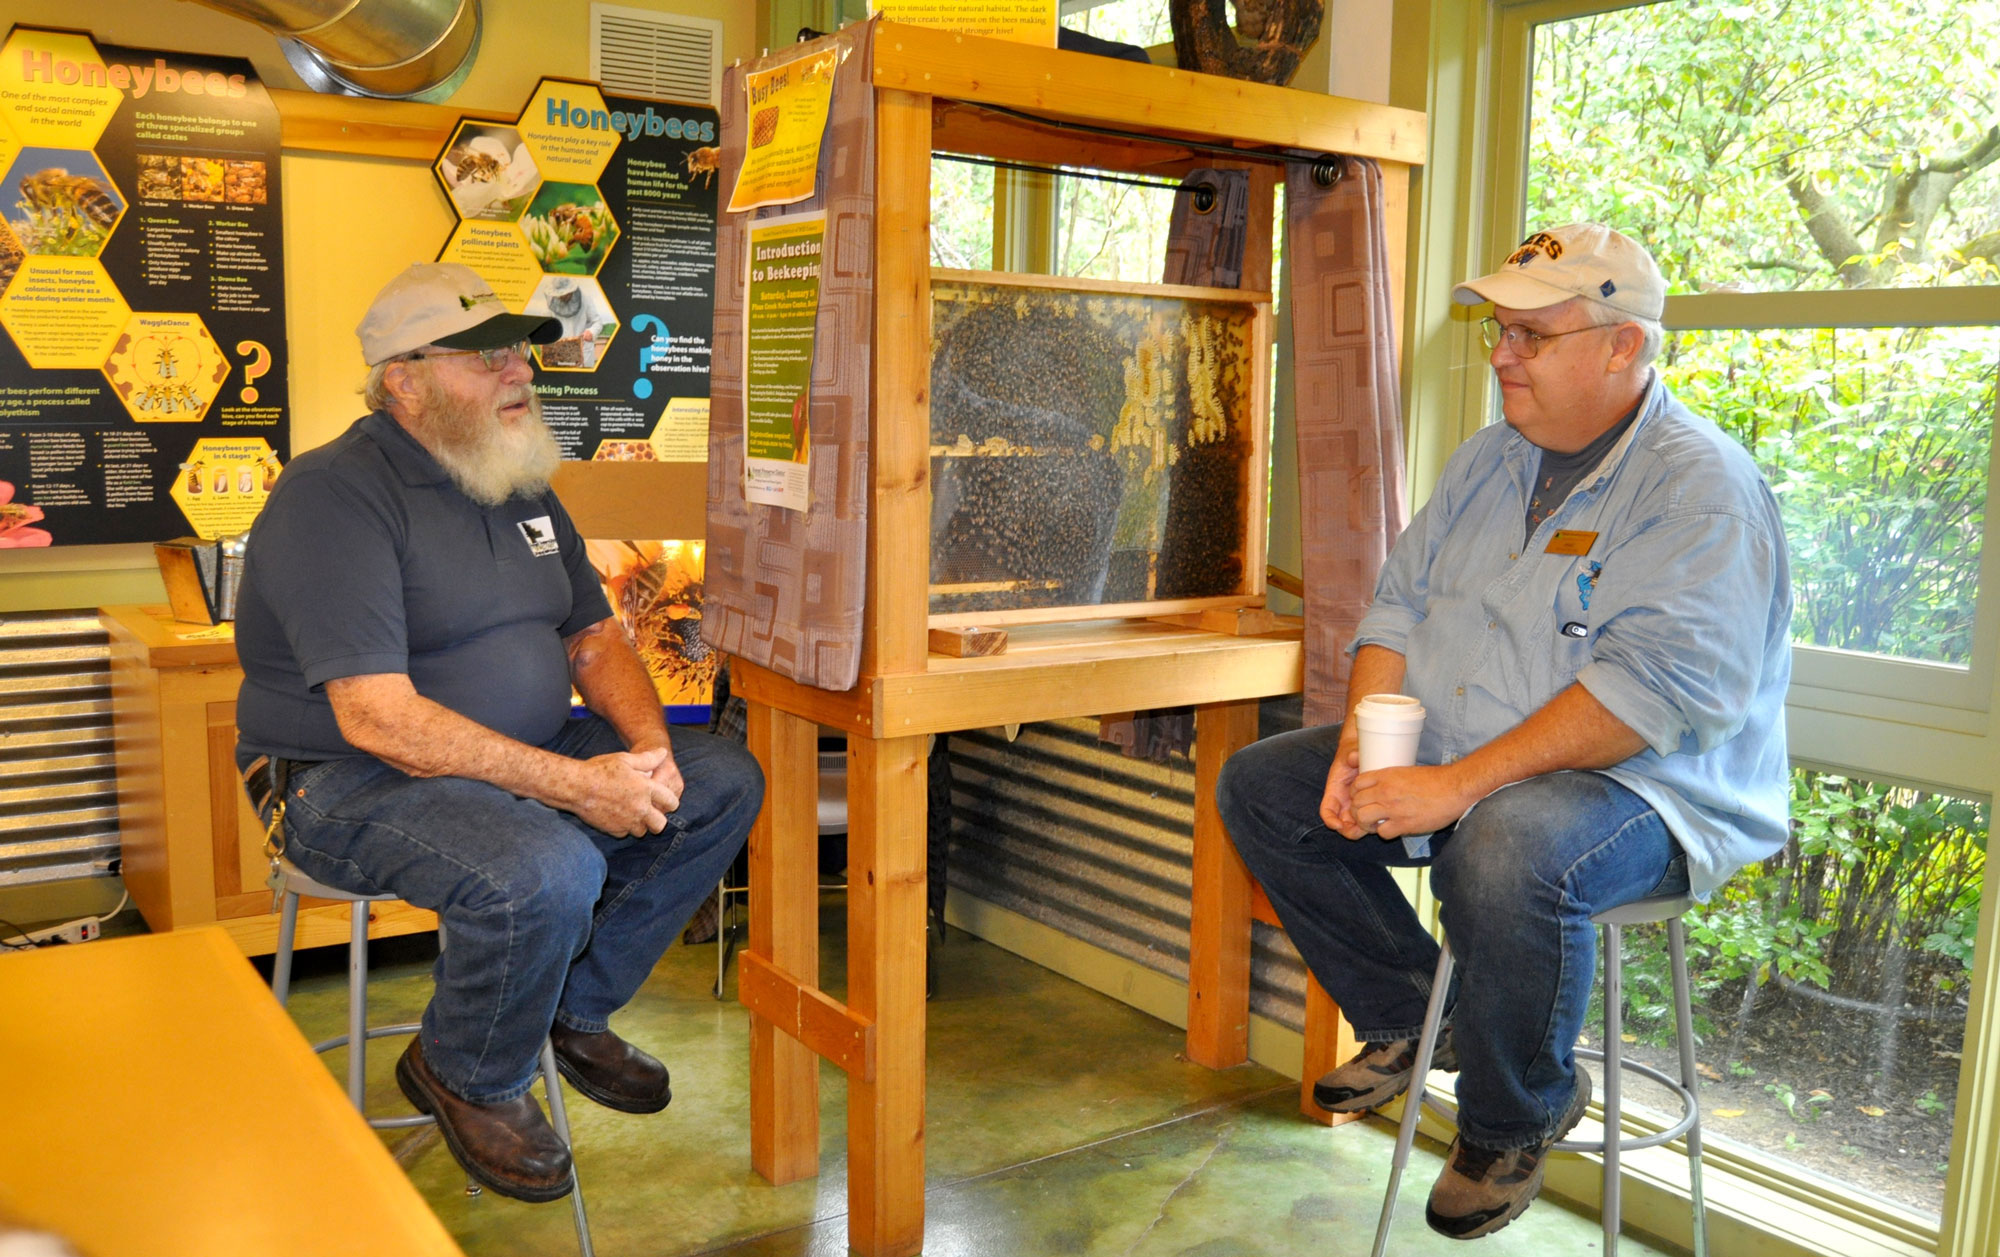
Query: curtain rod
{"x": 1327, "y": 168}
{"x": 1204, "y": 196}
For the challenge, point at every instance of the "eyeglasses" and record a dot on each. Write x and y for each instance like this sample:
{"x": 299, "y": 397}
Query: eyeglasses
{"x": 493, "y": 359}
{"x": 1525, "y": 342}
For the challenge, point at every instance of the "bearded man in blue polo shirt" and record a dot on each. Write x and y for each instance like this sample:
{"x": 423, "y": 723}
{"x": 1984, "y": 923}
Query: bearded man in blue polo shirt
{"x": 1594, "y": 609}
{"x": 415, "y": 608}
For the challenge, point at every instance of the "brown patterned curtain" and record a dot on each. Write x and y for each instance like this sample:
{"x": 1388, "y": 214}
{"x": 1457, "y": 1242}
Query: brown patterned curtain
{"x": 785, "y": 589}
{"x": 1351, "y": 499}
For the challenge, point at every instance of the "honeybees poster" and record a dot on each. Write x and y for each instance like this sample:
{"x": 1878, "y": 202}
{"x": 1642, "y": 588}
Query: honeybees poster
{"x": 142, "y": 366}
{"x": 599, "y": 211}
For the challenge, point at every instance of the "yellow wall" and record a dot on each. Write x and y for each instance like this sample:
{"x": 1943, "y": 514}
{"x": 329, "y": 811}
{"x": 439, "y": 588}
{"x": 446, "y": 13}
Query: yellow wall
{"x": 350, "y": 224}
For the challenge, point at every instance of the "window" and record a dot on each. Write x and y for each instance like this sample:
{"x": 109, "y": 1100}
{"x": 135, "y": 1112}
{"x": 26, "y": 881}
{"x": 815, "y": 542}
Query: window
{"x": 1821, "y": 184}
{"x": 1780, "y": 148}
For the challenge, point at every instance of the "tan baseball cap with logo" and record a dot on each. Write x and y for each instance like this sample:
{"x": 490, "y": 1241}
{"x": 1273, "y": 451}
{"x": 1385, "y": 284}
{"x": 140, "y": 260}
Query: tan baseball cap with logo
{"x": 448, "y": 304}
{"x": 1579, "y": 260}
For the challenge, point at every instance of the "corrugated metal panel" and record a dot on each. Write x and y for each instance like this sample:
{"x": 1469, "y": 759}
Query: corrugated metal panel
{"x": 58, "y": 796}
{"x": 1065, "y": 830}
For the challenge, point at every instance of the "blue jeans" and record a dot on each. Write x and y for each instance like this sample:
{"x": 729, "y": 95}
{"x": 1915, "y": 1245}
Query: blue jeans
{"x": 1518, "y": 880}
{"x": 543, "y": 918}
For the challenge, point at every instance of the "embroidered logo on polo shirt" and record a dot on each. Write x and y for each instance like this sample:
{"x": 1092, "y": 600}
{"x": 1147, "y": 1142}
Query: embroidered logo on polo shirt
{"x": 540, "y": 534}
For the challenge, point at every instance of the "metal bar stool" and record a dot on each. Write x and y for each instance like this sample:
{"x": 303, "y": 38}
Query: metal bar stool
{"x": 294, "y": 884}
{"x": 1667, "y": 908}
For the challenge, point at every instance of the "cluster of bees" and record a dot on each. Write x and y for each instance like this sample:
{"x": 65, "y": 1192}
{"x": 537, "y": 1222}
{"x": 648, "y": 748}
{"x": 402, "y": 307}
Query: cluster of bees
{"x": 64, "y": 213}
{"x": 166, "y": 399}
{"x": 163, "y": 177}
{"x": 1061, "y": 423}
{"x": 657, "y": 593}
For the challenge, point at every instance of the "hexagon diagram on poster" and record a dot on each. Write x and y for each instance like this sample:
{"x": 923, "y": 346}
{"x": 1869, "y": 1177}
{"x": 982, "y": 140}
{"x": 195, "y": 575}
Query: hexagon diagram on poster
{"x": 166, "y": 367}
{"x": 568, "y": 228}
{"x": 588, "y": 322}
{"x": 223, "y": 484}
{"x": 63, "y": 312}
{"x": 488, "y": 172}
{"x": 64, "y": 204}
{"x": 142, "y": 264}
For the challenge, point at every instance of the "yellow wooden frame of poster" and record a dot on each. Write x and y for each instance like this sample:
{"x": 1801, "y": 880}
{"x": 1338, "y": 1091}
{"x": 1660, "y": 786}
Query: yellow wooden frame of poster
{"x": 787, "y": 106}
{"x": 1023, "y": 21}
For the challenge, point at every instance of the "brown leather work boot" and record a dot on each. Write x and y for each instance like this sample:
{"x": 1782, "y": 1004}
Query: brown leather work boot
{"x": 610, "y": 1071}
{"x": 509, "y": 1147}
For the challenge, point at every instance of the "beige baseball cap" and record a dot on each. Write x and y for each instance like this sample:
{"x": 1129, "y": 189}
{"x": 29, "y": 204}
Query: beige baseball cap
{"x": 1579, "y": 260}
{"x": 448, "y": 304}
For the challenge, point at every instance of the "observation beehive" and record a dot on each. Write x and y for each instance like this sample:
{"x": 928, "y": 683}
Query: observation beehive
{"x": 1091, "y": 445}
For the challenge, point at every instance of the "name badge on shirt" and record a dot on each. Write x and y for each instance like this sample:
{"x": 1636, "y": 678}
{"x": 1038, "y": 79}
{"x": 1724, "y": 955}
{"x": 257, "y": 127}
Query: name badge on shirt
{"x": 540, "y": 533}
{"x": 1571, "y": 541}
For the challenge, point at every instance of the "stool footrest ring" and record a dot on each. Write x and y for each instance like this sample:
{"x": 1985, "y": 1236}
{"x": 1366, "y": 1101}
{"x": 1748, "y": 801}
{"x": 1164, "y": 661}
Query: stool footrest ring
{"x": 374, "y": 1032}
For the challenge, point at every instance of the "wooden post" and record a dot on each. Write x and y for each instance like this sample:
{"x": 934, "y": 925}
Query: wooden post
{"x": 1218, "y": 1033}
{"x": 784, "y": 930}
{"x": 885, "y": 984}
{"x": 896, "y": 637}
{"x": 1329, "y": 1041}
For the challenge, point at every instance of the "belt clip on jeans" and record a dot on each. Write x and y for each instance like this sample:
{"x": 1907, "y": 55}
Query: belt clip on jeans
{"x": 274, "y": 829}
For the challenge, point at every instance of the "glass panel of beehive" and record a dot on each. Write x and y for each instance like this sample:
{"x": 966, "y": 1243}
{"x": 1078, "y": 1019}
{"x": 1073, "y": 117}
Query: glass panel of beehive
{"x": 1087, "y": 447}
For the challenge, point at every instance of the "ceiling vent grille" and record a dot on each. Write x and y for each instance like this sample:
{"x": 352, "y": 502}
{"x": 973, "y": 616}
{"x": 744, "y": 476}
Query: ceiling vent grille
{"x": 641, "y": 52}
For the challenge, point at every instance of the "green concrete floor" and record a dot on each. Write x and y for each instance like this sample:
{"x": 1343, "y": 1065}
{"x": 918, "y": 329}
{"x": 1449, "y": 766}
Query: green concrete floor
{"x": 1058, "y": 1121}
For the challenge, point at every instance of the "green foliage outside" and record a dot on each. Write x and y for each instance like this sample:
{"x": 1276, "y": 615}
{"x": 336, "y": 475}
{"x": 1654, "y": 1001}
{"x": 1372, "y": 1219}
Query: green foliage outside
{"x": 1793, "y": 146}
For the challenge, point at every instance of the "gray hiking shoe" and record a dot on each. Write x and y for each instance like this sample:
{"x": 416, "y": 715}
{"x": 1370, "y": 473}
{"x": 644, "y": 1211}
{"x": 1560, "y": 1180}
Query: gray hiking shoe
{"x": 1483, "y": 1189}
{"x": 1378, "y": 1074}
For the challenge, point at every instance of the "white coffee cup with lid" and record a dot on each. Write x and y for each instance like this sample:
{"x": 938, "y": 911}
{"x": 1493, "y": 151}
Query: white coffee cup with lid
{"x": 1389, "y": 725}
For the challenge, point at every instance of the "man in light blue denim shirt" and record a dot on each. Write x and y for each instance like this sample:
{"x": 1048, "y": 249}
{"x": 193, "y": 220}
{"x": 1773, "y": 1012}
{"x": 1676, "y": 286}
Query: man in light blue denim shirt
{"x": 1594, "y": 609}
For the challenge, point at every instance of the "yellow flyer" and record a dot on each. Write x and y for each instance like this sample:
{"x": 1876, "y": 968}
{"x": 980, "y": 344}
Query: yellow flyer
{"x": 781, "y": 320}
{"x": 1023, "y": 21}
{"x": 787, "y": 107}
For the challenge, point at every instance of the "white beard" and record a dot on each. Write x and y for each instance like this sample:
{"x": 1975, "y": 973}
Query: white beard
{"x": 489, "y": 460}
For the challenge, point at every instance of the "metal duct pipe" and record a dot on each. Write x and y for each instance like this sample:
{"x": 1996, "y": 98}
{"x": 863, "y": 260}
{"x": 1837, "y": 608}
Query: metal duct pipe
{"x": 395, "y": 49}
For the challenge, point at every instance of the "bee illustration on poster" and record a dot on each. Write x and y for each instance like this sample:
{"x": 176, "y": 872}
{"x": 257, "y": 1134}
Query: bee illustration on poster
{"x": 142, "y": 300}
{"x": 601, "y": 216}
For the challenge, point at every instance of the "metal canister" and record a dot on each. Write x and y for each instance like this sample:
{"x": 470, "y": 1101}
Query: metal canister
{"x": 229, "y": 574}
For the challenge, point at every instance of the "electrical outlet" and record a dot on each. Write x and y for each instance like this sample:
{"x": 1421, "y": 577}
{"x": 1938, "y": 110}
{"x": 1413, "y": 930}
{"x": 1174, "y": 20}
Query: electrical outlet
{"x": 74, "y": 932}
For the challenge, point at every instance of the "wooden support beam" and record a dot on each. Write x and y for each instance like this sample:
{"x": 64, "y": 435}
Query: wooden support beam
{"x": 403, "y": 129}
{"x": 966, "y": 643}
{"x": 885, "y": 984}
{"x": 899, "y": 507}
{"x": 1165, "y": 102}
{"x": 809, "y": 1015}
{"x": 1219, "y": 928}
{"x": 1329, "y": 1041}
{"x": 784, "y": 934}
{"x": 1260, "y": 906}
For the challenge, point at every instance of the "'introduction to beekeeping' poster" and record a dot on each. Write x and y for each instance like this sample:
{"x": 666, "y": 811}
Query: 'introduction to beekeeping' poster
{"x": 142, "y": 296}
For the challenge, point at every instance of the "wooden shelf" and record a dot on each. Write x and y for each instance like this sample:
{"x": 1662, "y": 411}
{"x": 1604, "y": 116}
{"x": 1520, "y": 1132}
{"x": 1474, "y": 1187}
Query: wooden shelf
{"x": 1049, "y": 672}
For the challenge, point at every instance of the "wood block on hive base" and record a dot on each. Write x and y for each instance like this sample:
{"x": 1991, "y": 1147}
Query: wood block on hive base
{"x": 967, "y": 643}
{"x": 1233, "y": 621}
